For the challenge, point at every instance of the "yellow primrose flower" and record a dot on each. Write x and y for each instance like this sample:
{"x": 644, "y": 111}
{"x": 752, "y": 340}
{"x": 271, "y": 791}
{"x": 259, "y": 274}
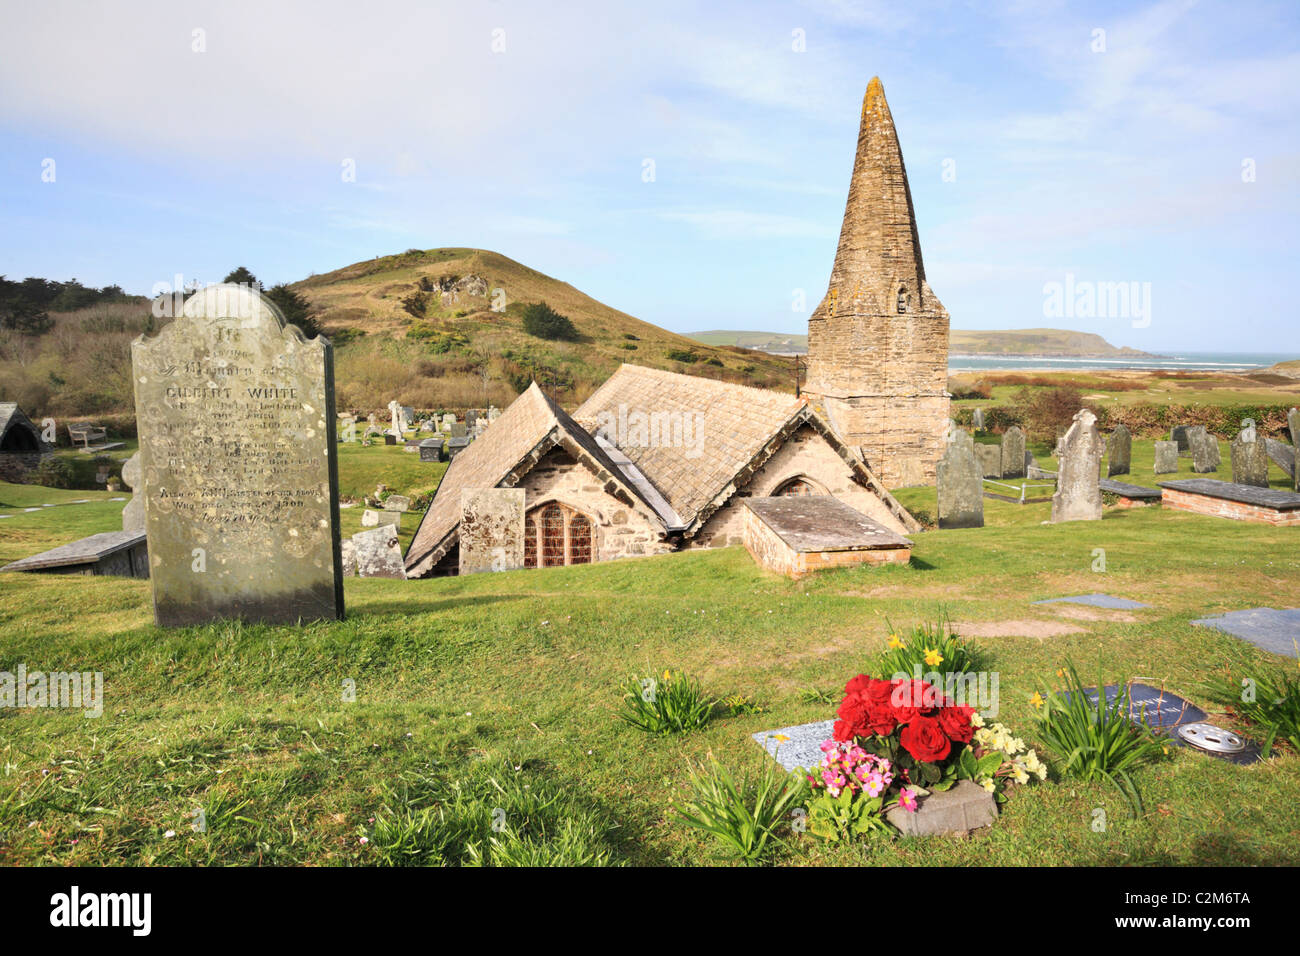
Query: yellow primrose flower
{"x": 1041, "y": 773}
{"x": 1021, "y": 776}
{"x": 1037, "y": 700}
{"x": 975, "y": 719}
{"x": 894, "y": 642}
{"x": 990, "y": 785}
{"x": 780, "y": 738}
{"x": 932, "y": 657}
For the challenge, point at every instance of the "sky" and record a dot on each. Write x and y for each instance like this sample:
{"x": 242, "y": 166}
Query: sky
{"x": 686, "y": 163}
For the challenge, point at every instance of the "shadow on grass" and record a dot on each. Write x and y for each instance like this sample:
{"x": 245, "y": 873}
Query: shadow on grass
{"x": 392, "y": 608}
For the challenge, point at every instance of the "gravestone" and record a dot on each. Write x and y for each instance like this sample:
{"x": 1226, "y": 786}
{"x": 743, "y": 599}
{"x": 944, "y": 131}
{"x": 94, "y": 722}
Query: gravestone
{"x": 1281, "y": 454}
{"x": 397, "y": 503}
{"x": 459, "y": 430}
{"x": 398, "y": 425}
{"x": 1013, "y": 453}
{"x": 1119, "y": 452}
{"x": 373, "y": 519}
{"x": 1078, "y": 495}
{"x": 471, "y": 417}
{"x": 1166, "y": 457}
{"x": 431, "y": 449}
{"x": 236, "y": 420}
{"x": 990, "y": 459}
{"x": 961, "y": 488}
{"x": 493, "y": 413}
{"x": 349, "y": 552}
{"x": 448, "y": 419}
{"x": 408, "y": 415}
{"x": 1178, "y": 435}
{"x": 427, "y": 425}
{"x": 491, "y": 530}
{"x": 977, "y": 419}
{"x": 390, "y": 438}
{"x": 1249, "y": 457}
{"x": 1205, "y": 450}
{"x": 1293, "y": 425}
{"x": 379, "y": 554}
{"x": 133, "y": 511}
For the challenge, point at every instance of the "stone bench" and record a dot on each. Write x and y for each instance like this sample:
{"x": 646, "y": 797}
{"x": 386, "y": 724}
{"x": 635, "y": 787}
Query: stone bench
{"x": 1130, "y": 495}
{"x": 1226, "y": 499}
{"x": 796, "y": 535}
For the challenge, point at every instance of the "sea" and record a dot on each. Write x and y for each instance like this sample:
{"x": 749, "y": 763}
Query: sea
{"x": 1180, "y": 361}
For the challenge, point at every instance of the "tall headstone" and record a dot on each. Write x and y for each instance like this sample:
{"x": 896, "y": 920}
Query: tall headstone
{"x": 491, "y": 530}
{"x": 398, "y": 426}
{"x": 133, "y": 513}
{"x": 1078, "y": 491}
{"x": 1249, "y": 457}
{"x": 1293, "y": 425}
{"x": 1166, "y": 457}
{"x": 961, "y": 485}
{"x": 1013, "y": 453}
{"x": 1119, "y": 451}
{"x": 1204, "y": 448}
{"x": 990, "y": 460}
{"x": 235, "y": 411}
{"x": 379, "y": 553}
{"x": 1178, "y": 435}
{"x": 977, "y": 419}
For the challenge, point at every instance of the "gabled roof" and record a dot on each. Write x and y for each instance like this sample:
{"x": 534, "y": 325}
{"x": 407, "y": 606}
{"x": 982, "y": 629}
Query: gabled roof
{"x": 502, "y": 456}
{"x": 727, "y": 432}
{"x": 12, "y": 416}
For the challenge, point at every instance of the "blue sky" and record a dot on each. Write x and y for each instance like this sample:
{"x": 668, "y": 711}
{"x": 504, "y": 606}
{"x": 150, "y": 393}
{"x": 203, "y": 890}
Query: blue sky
{"x": 1108, "y": 157}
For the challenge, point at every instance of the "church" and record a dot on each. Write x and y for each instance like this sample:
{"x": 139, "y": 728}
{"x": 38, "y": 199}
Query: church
{"x": 657, "y": 461}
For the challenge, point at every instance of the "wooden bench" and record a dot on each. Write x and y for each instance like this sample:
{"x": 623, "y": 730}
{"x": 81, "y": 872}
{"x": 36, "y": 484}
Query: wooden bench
{"x": 86, "y": 433}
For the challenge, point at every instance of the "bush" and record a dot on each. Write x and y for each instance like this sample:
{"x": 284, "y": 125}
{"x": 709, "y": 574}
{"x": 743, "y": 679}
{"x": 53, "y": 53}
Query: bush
{"x": 1047, "y": 412}
{"x": 1274, "y": 706}
{"x": 55, "y": 472}
{"x": 683, "y": 355}
{"x": 672, "y": 704}
{"x": 545, "y": 323}
{"x": 981, "y": 390}
{"x": 417, "y": 303}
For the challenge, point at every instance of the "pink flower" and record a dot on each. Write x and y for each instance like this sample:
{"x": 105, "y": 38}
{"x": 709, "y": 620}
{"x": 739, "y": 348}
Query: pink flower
{"x": 907, "y": 800}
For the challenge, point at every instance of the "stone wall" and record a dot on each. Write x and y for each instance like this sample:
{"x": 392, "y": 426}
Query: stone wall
{"x": 806, "y": 453}
{"x": 1222, "y": 508}
{"x": 15, "y": 465}
{"x": 618, "y": 531}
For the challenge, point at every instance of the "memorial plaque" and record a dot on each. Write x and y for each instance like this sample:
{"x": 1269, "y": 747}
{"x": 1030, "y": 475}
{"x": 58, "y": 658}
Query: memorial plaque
{"x": 1078, "y": 490}
{"x": 1119, "y": 452}
{"x": 1013, "y": 453}
{"x": 961, "y": 488}
{"x": 491, "y": 530}
{"x": 1166, "y": 457}
{"x": 235, "y": 411}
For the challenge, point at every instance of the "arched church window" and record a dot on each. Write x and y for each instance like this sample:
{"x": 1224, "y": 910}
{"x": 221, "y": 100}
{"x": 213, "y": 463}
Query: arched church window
{"x": 902, "y": 300}
{"x": 556, "y": 535}
{"x": 797, "y": 487}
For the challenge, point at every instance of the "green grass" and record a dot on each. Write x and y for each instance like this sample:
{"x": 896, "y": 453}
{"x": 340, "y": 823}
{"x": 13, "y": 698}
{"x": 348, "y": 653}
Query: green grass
{"x": 523, "y": 669}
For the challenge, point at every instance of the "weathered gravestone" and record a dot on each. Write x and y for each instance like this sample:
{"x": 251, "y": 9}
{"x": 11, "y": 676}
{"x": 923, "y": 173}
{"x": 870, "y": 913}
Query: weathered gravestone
{"x": 235, "y": 413}
{"x": 990, "y": 460}
{"x": 1281, "y": 454}
{"x": 1205, "y": 450}
{"x": 1119, "y": 452}
{"x": 373, "y": 519}
{"x": 459, "y": 430}
{"x": 133, "y": 512}
{"x": 1166, "y": 457}
{"x": 399, "y": 425}
{"x": 379, "y": 554}
{"x": 1013, "y": 453}
{"x": 1249, "y": 457}
{"x": 977, "y": 419}
{"x": 431, "y": 449}
{"x": 961, "y": 486}
{"x": 1078, "y": 495}
{"x": 491, "y": 530}
{"x": 397, "y": 503}
{"x": 471, "y": 417}
{"x": 1178, "y": 435}
{"x": 1293, "y": 425}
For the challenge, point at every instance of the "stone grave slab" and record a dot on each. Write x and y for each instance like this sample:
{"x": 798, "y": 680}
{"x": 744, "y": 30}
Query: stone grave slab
{"x": 1166, "y": 457}
{"x": 1164, "y": 712}
{"x": 1227, "y": 499}
{"x": 960, "y": 484}
{"x": 373, "y": 519}
{"x": 1119, "y": 452}
{"x": 1130, "y": 494}
{"x": 1282, "y": 455}
{"x": 349, "y": 552}
{"x": 397, "y": 503}
{"x": 379, "y": 554}
{"x": 455, "y": 446}
{"x": 118, "y": 553}
{"x": 1249, "y": 459}
{"x": 431, "y": 449}
{"x": 236, "y": 420}
{"x": 797, "y": 535}
{"x": 1205, "y": 450}
{"x": 491, "y": 530}
{"x": 1097, "y": 600}
{"x": 798, "y": 746}
{"x": 1270, "y": 629}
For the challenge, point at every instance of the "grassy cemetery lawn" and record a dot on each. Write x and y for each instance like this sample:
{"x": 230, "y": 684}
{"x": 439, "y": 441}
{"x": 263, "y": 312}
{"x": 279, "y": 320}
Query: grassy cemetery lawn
{"x": 361, "y": 468}
{"x": 499, "y": 681}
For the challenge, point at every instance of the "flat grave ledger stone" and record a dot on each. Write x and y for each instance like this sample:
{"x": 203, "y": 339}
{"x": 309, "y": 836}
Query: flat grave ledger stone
{"x": 455, "y": 446}
{"x": 491, "y": 530}
{"x": 1249, "y": 459}
{"x": 1282, "y": 455}
{"x": 990, "y": 458}
{"x": 1166, "y": 457}
{"x": 960, "y": 483}
{"x": 236, "y": 420}
{"x": 1267, "y": 628}
{"x": 116, "y": 553}
{"x": 1078, "y": 490}
{"x": 1178, "y": 435}
{"x": 397, "y": 503}
{"x": 1097, "y": 600}
{"x": 1013, "y": 453}
{"x": 379, "y": 553}
{"x": 431, "y": 449}
{"x": 1130, "y": 495}
{"x": 797, "y": 535}
{"x": 373, "y": 519}
{"x": 1228, "y": 499}
{"x": 796, "y": 747}
{"x": 1119, "y": 452}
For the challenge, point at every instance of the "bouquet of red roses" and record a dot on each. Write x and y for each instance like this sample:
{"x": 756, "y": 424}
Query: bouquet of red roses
{"x": 910, "y": 723}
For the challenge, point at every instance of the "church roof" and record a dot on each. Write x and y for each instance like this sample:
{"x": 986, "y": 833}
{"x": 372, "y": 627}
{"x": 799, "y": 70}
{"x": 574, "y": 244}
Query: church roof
{"x": 501, "y": 456}
{"x": 12, "y": 416}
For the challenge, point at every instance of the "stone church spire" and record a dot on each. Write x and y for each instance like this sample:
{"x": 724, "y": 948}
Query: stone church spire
{"x": 878, "y": 342}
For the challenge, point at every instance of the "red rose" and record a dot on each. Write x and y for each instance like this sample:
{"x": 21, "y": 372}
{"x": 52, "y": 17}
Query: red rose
{"x": 911, "y": 699}
{"x": 853, "y": 711}
{"x": 925, "y": 740}
{"x": 880, "y": 718}
{"x": 843, "y": 731}
{"x": 878, "y": 692}
{"x": 858, "y": 685}
{"x": 955, "y": 722}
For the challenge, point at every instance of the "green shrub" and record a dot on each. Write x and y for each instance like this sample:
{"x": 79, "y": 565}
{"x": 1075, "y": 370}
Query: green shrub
{"x": 683, "y": 355}
{"x": 1270, "y": 700}
{"x": 545, "y": 323}
{"x": 55, "y": 472}
{"x": 671, "y": 704}
{"x": 744, "y": 816}
{"x": 715, "y": 361}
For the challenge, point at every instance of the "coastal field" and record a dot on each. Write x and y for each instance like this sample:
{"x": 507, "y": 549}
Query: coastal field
{"x": 501, "y": 692}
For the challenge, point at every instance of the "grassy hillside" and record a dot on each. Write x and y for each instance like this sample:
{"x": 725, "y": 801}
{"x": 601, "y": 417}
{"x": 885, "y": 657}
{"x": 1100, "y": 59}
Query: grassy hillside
{"x": 428, "y": 328}
{"x": 978, "y": 342}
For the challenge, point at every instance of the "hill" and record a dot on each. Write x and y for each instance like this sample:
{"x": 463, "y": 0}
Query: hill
{"x": 1032, "y": 342}
{"x": 443, "y": 328}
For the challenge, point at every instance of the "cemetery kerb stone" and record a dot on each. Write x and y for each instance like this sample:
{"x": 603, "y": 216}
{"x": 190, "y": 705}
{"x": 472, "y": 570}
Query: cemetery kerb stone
{"x": 1166, "y": 457}
{"x": 236, "y": 421}
{"x": 1013, "y": 453}
{"x": 1078, "y": 493}
{"x": 961, "y": 485}
{"x": 491, "y": 530}
{"x": 1249, "y": 457}
{"x": 1119, "y": 452}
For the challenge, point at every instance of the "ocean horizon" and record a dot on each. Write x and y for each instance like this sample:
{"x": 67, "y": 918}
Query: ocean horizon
{"x": 1180, "y": 361}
